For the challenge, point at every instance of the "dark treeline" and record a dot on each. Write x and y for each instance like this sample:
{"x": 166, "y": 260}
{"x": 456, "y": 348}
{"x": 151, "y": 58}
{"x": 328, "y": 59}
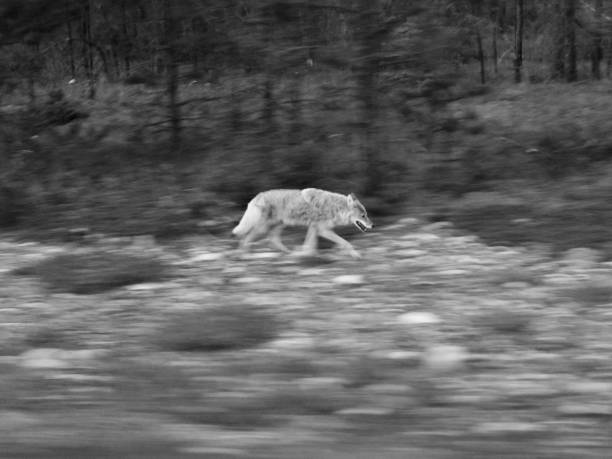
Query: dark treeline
{"x": 119, "y": 38}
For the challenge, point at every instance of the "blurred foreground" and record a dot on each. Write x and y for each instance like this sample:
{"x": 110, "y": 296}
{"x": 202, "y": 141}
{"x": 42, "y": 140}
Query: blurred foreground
{"x": 435, "y": 345}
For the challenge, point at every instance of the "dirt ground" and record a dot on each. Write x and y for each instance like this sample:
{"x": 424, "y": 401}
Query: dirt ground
{"x": 434, "y": 345}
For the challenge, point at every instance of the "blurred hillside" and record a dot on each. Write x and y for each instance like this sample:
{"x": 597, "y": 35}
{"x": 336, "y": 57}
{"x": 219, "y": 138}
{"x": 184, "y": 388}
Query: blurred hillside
{"x": 166, "y": 117}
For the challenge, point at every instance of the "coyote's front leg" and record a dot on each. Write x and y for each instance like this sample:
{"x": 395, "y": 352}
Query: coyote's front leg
{"x": 343, "y": 243}
{"x": 310, "y": 241}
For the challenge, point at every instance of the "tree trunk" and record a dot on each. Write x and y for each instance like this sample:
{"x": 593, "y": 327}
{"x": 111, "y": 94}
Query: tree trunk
{"x": 295, "y": 114}
{"x": 481, "y": 57}
{"x": 125, "y": 39}
{"x": 70, "y": 43}
{"x": 558, "y": 63}
{"x": 87, "y": 50}
{"x": 269, "y": 105}
{"x": 496, "y": 28}
{"x": 609, "y": 60}
{"x": 518, "y": 42}
{"x": 369, "y": 50}
{"x": 170, "y": 32}
{"x": 596, "y": 46}
{"x": 494, "y": 51}
{"x": 570, "y": 40}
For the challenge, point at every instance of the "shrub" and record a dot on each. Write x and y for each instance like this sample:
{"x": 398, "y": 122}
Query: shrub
{"x": 95, "y": 272}
{"x": 220, "y": 328}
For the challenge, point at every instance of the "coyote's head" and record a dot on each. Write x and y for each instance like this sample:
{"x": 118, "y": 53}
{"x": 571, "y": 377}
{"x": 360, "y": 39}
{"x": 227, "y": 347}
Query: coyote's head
{"x": 358, "y": 214}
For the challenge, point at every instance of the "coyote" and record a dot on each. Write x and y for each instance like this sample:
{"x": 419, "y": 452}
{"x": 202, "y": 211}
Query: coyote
{"x": 270, "y": 211}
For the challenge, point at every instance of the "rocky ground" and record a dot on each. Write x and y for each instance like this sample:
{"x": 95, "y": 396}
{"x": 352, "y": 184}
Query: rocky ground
{"x": 433, "y": 345}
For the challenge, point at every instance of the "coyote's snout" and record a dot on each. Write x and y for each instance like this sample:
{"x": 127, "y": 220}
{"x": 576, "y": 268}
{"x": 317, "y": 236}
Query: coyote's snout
{"x": 319, "y": 210}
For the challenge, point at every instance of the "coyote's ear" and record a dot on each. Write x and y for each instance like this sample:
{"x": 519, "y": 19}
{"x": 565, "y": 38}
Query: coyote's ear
{"x": 351, "y": 198}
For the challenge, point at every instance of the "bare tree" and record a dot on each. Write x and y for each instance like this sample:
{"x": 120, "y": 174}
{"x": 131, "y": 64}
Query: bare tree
{"x": 369, "y": 44}
{"x": 596, "y": 44}
{"x": 170, "y": 38}
{"x": 570, "y": 40}
{"x": 87, "y": 48}
{"x": 558, "y": 38}
{"x": 518, "y": 40}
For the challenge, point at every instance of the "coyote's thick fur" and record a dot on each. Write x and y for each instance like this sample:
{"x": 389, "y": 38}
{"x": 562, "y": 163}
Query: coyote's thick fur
{"x": 270, "y": 211}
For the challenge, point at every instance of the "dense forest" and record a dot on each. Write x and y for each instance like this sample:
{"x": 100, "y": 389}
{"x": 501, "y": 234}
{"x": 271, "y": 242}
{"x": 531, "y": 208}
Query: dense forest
{"x": 229, "y": 97}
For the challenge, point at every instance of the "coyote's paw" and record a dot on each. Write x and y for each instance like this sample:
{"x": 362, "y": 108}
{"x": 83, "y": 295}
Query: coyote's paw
{"x": 354, "y": 254}
{"x": 302, "y": 253}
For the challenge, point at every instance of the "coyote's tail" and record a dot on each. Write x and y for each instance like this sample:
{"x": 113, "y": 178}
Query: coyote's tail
{"x": 251, "y": 217}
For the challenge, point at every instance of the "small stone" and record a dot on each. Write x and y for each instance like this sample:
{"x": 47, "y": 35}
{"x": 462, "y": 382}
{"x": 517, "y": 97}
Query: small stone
{"x": 349, "y": 279}
{"x": 581, "y": 257}
{"x": 388, "y": 389}
{"x": 365, "y": 411}
{"x": 146, "y": 286}
{"x": 418, "y": 318}
{"x": 507, "y": 427}
{"x": 311, "y": 272}
{"x": 208, "y": 256}
{"x": 247, "y": 280}
{"x": 321, "y": 383}
{"x": 516, "y": 285}
{"x": 262, "y": 255}
{"x": 398, "y": 355}
{"x": 452, "y": 272}
{"x": 437, "y": 226}
{"x": 421, "y": 237}
{"x": 445, "y": 357}
{"x": 590, "y": 387}
{"x": 293, "y": 343}
{"x": 585, "y": 409}
{"x": 408, "y": 221}
{"x": 409, "y": 253}
{"x": 143, "y": 242}
{"x": 43, "y": 358}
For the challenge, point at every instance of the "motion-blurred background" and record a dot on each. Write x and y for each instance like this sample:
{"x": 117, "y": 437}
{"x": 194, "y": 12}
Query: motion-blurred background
{"x": 478, "y": 135}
